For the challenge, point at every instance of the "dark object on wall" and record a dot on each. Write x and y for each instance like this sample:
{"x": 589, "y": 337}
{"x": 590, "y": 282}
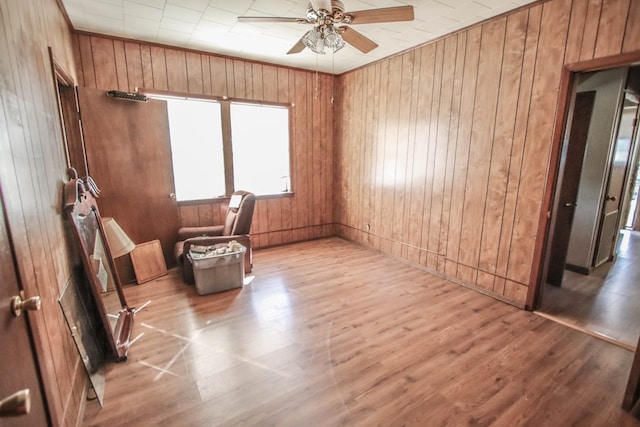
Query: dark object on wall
{"x": 81, "y": 313}
{"x": 129, "y": 96}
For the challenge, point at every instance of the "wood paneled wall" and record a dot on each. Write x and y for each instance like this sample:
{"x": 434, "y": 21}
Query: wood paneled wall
{"x": 106, "y": 63}
{"x": 32, "y": 170}
{"x": 442, "y": 153}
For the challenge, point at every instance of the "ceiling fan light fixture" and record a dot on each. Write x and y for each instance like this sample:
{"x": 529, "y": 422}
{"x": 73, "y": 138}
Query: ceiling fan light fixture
{"x": 314, "y": 41}
{"x": 332, "y": 38}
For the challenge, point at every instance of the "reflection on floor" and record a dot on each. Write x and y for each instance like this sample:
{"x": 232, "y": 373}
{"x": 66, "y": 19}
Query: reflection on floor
{"x": 606, "y": 302}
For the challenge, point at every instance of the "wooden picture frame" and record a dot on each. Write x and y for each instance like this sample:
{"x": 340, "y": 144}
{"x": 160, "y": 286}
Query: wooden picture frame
{"x": 148, "y": 261}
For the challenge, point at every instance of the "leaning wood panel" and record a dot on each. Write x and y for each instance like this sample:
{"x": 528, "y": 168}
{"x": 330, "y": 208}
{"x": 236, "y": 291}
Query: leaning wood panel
{"x": 611, "y": 28}
{"x": 553, "y": 34}
{"x": 510, "y": 77}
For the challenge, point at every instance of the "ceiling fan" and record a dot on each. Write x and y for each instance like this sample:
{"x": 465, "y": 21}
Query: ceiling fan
{"x": 328, "y": 17}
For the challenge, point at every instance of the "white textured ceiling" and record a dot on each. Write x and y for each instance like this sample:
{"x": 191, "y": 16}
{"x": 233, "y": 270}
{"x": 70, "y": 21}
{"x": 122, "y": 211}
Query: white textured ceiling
{"x": 211, "y": 26}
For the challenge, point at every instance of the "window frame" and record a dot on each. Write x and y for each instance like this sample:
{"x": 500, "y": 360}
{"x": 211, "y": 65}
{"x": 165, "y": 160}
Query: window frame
{"x": 227, "y": 138}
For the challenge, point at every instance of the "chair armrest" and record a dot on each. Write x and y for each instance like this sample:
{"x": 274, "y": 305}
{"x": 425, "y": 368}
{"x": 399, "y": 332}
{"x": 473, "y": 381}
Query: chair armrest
{"x": 185, "y": 233}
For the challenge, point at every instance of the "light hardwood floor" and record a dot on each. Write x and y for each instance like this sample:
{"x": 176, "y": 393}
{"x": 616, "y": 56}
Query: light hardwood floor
{"x": 330, "y": 334}
{"x": 606, "y": 302}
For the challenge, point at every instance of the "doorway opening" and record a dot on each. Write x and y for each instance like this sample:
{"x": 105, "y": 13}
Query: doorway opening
{"x": 592, "y": 267}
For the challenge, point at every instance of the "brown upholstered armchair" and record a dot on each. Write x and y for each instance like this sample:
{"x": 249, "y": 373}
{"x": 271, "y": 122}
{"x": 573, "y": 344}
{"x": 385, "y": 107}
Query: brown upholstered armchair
{"x": 236, "y": 227}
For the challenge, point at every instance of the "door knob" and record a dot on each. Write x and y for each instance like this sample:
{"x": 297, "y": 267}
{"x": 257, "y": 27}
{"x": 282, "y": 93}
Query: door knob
{"x": 18, "y": 403}
{"x": 172, "y": 196}
{"x": 571, "y": 205}
{"x": 18, "y": 304}
{"x": 612, "y": 198}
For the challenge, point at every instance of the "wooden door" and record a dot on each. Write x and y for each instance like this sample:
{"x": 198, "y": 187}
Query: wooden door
{"x": 129, "y": 156}
{"x": 18, "y": 368}
{"x": 573, "y": 160}
{"x": 610, "y": 218}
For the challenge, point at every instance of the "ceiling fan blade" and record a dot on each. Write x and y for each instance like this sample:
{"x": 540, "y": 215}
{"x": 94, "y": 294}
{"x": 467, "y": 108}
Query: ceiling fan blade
{"x": 389, "y": 14}
{"x": 270, "y": 19}
{"x": 357, "y": 40}
{"x": 321, "y": 4}
{"x": 297, "y": 48}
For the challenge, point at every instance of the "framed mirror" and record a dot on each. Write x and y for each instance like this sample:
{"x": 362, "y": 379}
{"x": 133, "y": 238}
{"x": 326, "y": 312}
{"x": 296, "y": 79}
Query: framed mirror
{"x": 97, "y": 262}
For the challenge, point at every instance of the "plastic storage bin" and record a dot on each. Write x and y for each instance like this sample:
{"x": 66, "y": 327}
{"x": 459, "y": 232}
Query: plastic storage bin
{"x": 218, "y": 273}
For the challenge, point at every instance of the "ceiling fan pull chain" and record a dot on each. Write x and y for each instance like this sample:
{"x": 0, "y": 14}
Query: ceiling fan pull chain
{"x": 315, "y": 94}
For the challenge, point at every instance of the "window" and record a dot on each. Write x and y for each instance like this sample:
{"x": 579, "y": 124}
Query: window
{"x": 196, "y": 149}
{"x": 260, "y": 137}
{"x": 255, "y": 144}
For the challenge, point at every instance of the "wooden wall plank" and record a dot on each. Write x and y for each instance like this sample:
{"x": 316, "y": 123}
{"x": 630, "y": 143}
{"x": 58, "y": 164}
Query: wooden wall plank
{"x": 121, "y": 65}
{"x": 441, "y": 146}
{"x": 576, "y": 31}
{"x": 177, "y": 78}
{"x": 517, "y": 149}
{"x": 463, "y": 144}
{"x": 426, "y": 258}
{"x": 611, "y": 28}
{"x": 491, "y": 52}
{"x": 239, "y": 79}
{"x": 86, "y": 60}
{"x": 412, "y": 101}
{"x": 147, "y": 66}
{"x": 258, "y": 81}
{"x": 632, "y": 30}
{"x": 206, "y": 75}
{"x": 159, "y": 68}
{"x": 426, "y": 72}
{"x": 218, "y": 76}
{"x": 510, "y": 77}
{"x": 195, "y": 76}
{"x": 401, "y": 196}
{"x": 104, "y": 63}
{"x": 134, "y": 64}
{"x": 590, "y": 29}
{"x": 553, "y": 35}
{"x": 449, "y": 195}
